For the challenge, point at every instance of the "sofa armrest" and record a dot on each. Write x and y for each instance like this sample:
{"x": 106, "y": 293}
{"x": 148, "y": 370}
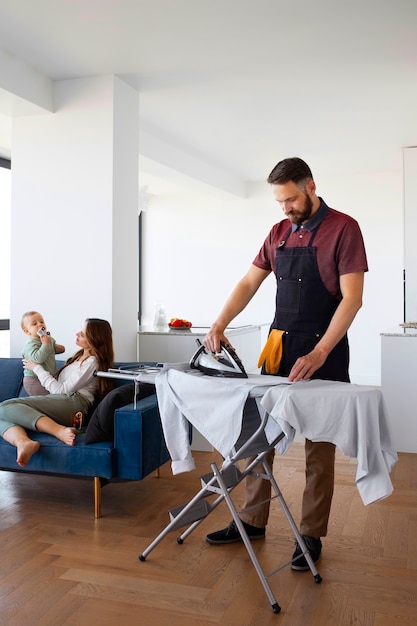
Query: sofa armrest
{"x": 11, "y": 378}
{"x": 139, "y": 440}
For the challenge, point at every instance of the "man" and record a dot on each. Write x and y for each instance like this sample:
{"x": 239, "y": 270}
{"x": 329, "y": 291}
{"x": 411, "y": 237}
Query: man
{"x": 319, "y": 259}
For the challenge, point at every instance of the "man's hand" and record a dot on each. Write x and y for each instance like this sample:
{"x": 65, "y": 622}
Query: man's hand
{"x": 305, "y": 366}
{"x": 213, "y": 339}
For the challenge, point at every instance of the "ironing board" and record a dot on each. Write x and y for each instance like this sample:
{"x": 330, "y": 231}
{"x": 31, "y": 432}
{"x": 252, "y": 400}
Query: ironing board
{"x": 268, "y": 419}
{"x": 353, "y": 417}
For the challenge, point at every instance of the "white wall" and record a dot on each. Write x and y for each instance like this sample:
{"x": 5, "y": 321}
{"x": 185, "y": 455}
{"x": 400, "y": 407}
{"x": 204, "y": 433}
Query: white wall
{"x": 74, "y": 213}
{"x": 197, "y": 245}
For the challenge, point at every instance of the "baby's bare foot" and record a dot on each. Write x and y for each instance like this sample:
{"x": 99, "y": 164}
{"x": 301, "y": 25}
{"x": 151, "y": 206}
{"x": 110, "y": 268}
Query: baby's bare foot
{"x": 25, "y": 451}
{"x": 67, "y": 435}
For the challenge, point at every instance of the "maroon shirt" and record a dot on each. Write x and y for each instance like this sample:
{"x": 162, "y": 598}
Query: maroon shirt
{"x": 338, "y": 242}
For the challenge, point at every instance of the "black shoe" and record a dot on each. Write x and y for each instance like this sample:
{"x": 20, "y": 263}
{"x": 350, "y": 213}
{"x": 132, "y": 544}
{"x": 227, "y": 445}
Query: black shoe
{"x": 232, "y": 534}
{"x": 299, "y": 562}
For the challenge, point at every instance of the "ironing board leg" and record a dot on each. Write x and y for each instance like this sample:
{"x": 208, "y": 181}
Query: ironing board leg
{"x": 193, "y": 526}
{"x": 222, "y": 483}
{"x": 175, "y": 522}
{"x": 292, "y": 523}
{"x": 275, "y": 606}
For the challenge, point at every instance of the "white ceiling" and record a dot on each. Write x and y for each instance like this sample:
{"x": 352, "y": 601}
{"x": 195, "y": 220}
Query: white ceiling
{"x": 241, "y": 83}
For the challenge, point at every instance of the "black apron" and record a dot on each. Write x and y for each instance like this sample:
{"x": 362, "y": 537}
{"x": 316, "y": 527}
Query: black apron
{"x": 304, "y": 308}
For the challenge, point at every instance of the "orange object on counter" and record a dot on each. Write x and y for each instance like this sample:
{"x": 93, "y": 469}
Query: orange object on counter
{"x": 177, "y": 322}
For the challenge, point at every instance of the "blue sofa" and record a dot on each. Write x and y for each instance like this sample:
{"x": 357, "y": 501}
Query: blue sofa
{"x": 137, "y": 450}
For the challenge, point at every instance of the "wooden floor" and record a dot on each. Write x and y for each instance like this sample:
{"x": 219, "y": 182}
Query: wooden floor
{"x": 59, "y": 566}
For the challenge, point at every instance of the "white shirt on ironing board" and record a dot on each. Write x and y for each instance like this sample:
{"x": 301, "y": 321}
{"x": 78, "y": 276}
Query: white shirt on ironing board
{"x": 213, "y": 405}
{"x": 351, "y": 416}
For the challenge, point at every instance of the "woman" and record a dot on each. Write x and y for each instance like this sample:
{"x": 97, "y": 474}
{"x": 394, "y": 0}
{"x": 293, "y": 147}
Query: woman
{"x": 74, "y": 390}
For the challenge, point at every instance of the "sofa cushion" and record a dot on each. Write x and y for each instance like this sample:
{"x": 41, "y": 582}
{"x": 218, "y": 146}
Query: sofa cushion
{"x": 101, "y": 424}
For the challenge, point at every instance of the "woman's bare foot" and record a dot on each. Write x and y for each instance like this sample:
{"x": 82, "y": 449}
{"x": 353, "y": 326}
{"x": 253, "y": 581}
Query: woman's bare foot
{"x": 67, "y": 435}
{"x": 25, "y": 451}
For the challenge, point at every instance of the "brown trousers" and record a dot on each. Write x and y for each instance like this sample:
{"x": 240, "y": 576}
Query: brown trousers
{"x": 317, "y": 497}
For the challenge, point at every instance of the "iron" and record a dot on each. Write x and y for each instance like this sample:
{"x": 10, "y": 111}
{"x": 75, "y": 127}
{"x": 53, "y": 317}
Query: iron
{"x": 224, "y": 364}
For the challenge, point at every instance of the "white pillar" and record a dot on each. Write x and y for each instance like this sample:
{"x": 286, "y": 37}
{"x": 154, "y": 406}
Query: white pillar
{"x": 74, "y": 213}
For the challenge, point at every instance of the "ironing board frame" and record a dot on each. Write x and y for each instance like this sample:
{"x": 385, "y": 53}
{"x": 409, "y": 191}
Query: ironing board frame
{"x": 222, "y": 481}
{"x": 131, "y": 374}
{"x": 218, "y": 483}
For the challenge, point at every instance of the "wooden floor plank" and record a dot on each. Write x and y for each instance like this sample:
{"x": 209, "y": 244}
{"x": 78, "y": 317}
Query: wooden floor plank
{"x": 61, "y": 567}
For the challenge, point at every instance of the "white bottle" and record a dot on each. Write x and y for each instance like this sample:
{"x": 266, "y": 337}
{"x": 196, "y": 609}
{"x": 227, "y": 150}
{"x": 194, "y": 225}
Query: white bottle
{"x": 160, "y": 319}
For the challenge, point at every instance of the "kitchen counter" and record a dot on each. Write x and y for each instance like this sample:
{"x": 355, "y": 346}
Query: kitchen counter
{"x": 400, "y": 331}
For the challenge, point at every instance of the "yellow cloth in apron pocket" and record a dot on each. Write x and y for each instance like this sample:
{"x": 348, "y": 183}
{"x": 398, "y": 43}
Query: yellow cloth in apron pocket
{"x": 272, "y": 353}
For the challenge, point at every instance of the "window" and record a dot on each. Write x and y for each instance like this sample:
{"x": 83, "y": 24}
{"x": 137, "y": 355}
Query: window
{"x": 5, "y": 220}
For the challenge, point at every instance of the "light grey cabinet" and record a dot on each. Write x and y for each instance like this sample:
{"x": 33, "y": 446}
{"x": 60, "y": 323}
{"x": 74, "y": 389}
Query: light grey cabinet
{"x": 399, "y": 386}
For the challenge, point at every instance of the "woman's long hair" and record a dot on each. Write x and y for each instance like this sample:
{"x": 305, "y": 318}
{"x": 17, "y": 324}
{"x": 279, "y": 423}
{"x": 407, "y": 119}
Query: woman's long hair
{"x": 99, "y": 335}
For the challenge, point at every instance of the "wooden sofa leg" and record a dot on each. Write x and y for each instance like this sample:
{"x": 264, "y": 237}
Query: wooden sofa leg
{"x": 157, "y": 473}
{"x": 97, "y": 497}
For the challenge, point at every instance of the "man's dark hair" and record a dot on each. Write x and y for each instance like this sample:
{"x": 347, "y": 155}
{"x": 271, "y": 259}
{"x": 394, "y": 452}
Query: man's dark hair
{"x": 293, "y": 169}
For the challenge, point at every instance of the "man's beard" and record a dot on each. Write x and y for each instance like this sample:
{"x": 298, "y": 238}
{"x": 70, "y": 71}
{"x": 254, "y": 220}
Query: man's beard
{"x": 302, "y": 216}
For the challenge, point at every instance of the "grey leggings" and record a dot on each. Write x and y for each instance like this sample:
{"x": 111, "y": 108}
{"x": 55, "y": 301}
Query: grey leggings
{"x": 25, "y": 412}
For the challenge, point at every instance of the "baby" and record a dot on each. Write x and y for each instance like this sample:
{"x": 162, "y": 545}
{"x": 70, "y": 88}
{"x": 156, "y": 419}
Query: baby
{"x": 39, "y": 347}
